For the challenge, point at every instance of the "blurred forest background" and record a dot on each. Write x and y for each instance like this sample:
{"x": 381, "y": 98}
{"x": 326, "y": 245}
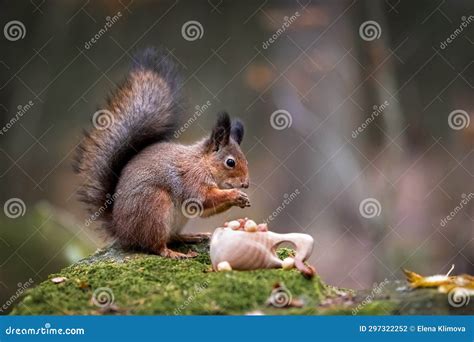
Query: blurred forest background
{"x": 321, "y": 69}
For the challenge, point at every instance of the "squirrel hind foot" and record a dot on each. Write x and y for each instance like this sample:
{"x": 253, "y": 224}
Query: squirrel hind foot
{"x": 169, "y": 253}
{"x": 193, "y": 238}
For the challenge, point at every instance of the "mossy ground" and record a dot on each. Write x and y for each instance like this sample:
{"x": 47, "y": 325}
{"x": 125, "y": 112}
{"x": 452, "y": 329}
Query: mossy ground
{"x": 149, "y": 284}
{"x": 144, "y": 284}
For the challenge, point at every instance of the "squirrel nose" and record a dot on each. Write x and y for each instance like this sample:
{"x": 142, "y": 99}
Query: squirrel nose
{"x": 245, "y": 185}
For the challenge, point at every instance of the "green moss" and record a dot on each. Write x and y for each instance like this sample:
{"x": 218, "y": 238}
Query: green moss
{"x": 377, "y": 307}
{"x": 283, "y": 253}
{"x": 149, "y": 284}
{"x": 146, "y": 284}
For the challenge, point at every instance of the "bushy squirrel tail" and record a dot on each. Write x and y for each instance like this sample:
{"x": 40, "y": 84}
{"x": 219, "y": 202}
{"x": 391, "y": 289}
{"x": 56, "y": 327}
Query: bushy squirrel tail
{"x": 143, "y": 110}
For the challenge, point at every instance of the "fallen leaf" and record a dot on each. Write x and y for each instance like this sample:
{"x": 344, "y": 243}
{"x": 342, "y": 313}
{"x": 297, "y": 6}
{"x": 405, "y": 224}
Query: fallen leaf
{"x": 447, "y": 282}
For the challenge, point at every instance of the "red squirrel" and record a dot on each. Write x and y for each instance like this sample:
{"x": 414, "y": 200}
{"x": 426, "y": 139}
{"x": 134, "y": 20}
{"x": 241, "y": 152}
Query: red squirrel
{"x": 150, "y": 176}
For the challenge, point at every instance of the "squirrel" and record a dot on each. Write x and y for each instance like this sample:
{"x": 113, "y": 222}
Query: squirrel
{"x": 151, "y": 177}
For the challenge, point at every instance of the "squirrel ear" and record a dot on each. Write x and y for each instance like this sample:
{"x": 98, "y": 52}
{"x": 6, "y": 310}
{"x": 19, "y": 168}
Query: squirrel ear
{"x": 221, "y": 132}
{"x": 237, "y": 131}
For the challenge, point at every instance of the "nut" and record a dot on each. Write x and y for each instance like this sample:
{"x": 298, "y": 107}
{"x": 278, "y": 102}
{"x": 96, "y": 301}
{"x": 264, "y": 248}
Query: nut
{"x": 288, "y": 263}
{"x": 234, "y": 225}
{"x": 224, "y": 266}
{"x": 250, "y": 226}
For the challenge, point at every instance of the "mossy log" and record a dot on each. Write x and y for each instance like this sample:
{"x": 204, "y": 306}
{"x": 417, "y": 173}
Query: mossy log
{"x": 114, "y": 281}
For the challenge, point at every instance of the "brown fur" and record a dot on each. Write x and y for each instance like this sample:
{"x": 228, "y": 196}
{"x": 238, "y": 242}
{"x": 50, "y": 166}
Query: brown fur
{"x": 158, "y": 181}
{"x": 151, "y": 176}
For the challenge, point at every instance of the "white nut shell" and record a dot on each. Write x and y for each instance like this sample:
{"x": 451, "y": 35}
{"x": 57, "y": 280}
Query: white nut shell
{"x": 288, "y": 263}
{"x": 250, "y": 226}
{"x": 233, "y": 225}
{"x": 224, "y": 266}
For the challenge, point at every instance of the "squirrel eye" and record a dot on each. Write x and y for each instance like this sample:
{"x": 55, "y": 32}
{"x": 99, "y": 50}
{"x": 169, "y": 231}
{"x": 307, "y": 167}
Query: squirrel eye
{"x": 230, "y": 163}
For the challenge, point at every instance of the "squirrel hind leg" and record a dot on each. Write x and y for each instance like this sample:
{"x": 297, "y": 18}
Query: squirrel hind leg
{"x": 192, "y": 238}
{"x": 171, "y": 254}
{"x": 144, "y": 220}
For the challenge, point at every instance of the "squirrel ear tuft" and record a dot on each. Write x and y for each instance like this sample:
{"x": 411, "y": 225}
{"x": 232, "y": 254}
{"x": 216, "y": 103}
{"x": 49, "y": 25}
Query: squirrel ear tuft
{"x": 221, "y": 132}
{"x": 237, "y": 131}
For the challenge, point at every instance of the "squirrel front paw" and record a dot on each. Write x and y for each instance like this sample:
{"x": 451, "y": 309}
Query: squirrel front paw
{"x": 241, "y": 199}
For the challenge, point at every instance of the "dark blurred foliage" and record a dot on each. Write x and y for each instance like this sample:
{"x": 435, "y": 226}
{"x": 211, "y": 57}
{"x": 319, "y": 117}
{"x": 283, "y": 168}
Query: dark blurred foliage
{"x": 319, "y": 70}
